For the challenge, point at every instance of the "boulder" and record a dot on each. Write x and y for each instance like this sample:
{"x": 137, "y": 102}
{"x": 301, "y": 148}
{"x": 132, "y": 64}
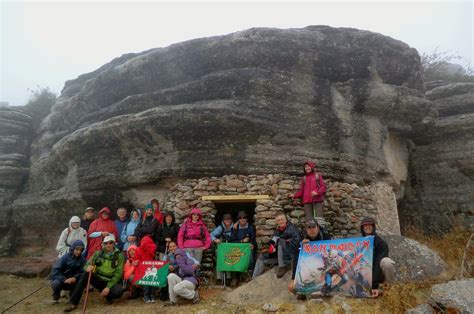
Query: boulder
{"x": 265, "y": 289}
{"x": 455, "y": 296}
{"x": 421, "y": 309}
{"x": 414, "y": 261}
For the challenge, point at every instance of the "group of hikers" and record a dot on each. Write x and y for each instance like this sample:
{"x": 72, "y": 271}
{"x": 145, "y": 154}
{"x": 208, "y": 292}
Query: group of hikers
{"x": 105, "y": 253}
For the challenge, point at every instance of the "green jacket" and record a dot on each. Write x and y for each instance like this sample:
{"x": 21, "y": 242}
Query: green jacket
{"x": 104, "y": 266}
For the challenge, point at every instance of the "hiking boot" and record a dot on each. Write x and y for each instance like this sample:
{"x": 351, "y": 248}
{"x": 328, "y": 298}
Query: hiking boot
{"x": 301, "y": 297}
{"x": 152, "y": 299}
{"x": 281, "y": 271}
{"x": 54, "y": 301}
{"x": 70, "y": 308}
{"x": 196, "y": 297}
{"x": 146, "y": 299}
{"x": 170, "y": 303}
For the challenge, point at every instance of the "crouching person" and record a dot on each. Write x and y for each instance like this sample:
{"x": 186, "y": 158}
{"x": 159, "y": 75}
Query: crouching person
{"x": 67, "y": 270}
{"x": 281, "y": 249}
{"x": 183, "y": 282}
{"x": 106, "y": 266}
{"x": 383, "y": 267}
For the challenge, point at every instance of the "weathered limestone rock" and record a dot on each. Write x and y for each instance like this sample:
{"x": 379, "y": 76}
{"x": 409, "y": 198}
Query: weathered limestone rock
{"x": 266, "y": 288}
{"x": 414, "y": 261}
{"x": 441, "y": 190}
{"x": 456, "y": 296}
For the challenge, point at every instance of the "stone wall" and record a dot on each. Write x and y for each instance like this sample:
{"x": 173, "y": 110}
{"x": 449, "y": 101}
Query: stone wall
{"x": 344, "y": 205}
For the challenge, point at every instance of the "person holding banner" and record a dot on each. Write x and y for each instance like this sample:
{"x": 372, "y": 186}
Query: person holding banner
{"x": 183, "y": 282}
{"x": 312, "y": 232}
{"x": 193, "y": 235}
{"x": 383, "y": 267}
{"x": 311, "y": 192}
{"x": 282, "y": 247}
{"x": 146, "y": 252}
{"x": 106, "y": 266}
{"x": 244, "y": 232}
{"x": 223, "y": 233}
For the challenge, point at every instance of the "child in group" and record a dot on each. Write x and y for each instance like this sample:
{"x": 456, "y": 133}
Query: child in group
{"x": 129, "y": 271}
{"x": 146, "y": 252}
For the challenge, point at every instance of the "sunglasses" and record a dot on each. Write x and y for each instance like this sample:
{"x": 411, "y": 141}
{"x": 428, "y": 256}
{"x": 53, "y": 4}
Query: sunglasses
{"x": 242, "y": 217}
{"x": 110, "y": 242}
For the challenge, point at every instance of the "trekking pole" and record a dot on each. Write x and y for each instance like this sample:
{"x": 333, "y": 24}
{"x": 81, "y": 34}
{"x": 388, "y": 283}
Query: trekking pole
{"x": 29, "y": 295}
{"x": 87, "y": 291}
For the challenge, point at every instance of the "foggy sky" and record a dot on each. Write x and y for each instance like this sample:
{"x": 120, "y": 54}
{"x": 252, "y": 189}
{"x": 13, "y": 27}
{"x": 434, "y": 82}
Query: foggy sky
{"x": 47, "y": 43}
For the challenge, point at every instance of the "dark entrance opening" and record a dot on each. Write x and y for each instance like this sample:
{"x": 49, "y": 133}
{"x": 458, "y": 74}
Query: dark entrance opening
{"x": 234, "y": 209}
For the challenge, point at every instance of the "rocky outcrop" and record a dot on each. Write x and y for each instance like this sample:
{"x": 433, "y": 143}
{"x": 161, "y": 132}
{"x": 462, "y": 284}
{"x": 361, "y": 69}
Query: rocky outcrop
{"x": 265, "y": 288}
{"x": 441, "y": 189}
{"x": 252, "y": 102}
{"x": 15, "y": 136}
{"x": 456, "y": 296}
{"x": 413, "y": 260}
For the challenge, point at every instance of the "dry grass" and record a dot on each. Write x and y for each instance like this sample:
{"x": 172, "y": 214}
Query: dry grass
{"x": 449, "y": 246}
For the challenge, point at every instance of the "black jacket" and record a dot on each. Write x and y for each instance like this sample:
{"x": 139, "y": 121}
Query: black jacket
{"x": 166, "y": 231}
{"x": 380, "y": 251}
{"x": 147, "y": 226}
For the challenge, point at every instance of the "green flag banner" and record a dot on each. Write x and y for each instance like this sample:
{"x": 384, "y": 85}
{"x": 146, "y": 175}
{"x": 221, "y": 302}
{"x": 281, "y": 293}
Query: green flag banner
{"x": 233, "y": 257}
{"x": 152, "y": 273}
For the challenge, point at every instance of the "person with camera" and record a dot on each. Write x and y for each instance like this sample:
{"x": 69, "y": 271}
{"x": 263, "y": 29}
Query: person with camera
{"x": 106, "y": 266}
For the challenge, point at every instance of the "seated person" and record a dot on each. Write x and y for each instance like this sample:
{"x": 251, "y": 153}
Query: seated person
{"x": 244, "y": 232}
{"x": 67, "y": 270}
{"x": 106, "y": 266}
{"x": 223, "y": 233}
{"x": 281, "y": 249}
{"x": 382, "y": 267}
{"x": 183, "y": 282}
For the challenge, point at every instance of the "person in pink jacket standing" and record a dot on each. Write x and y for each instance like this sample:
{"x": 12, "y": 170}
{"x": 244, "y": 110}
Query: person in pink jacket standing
{"x": 312, "y": 192}
{"x": 193, "y": 235}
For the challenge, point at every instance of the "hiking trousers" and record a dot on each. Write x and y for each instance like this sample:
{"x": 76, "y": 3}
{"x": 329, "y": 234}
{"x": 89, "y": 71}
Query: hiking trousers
{"x": 114, "y": 293}
{"x": 179, "y": 287}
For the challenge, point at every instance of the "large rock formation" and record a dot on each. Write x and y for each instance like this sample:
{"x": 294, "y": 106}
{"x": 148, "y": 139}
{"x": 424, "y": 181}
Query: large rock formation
{"x": 252, "y": 102}
{"x": 15, "y": 136}
{"x": 441, "y": 190}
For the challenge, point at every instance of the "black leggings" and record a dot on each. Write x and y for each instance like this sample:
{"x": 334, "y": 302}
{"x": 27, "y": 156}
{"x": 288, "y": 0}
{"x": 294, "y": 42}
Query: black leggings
{"x": 115, "y": 292}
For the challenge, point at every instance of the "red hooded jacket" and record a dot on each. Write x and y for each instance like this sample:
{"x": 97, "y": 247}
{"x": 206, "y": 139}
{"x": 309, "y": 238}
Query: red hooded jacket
{"x": 100, "y": 224}
{"x": 309, "y": 183}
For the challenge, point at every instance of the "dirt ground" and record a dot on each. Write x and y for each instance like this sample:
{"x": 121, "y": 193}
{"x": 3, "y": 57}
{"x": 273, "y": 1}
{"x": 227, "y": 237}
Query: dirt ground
{"x": 13, "y": 289}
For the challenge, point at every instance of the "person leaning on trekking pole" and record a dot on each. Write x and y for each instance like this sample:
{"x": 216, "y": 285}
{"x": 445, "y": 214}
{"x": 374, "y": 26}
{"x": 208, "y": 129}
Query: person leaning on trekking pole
{"x": 106, "y": 266}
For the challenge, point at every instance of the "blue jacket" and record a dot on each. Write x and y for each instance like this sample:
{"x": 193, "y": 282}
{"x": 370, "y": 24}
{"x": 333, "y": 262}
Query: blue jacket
{"x": 221, "y": 233}
{"x": 129, "y": 230}
{"x": 68, "y": 265}
{"x": 241, "y": 233}
{"x": 120, "y": 224}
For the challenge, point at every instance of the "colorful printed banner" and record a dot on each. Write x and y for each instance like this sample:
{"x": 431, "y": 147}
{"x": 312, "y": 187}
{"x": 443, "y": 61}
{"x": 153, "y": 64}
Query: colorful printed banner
{"x": 152, "y": 273}
{"x": 233, "y": 257}
{"x": 342, "y": 265}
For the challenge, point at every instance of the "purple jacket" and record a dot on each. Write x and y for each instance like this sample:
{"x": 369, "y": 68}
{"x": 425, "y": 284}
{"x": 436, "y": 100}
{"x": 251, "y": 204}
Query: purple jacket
{"x": 184, "y": 267}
